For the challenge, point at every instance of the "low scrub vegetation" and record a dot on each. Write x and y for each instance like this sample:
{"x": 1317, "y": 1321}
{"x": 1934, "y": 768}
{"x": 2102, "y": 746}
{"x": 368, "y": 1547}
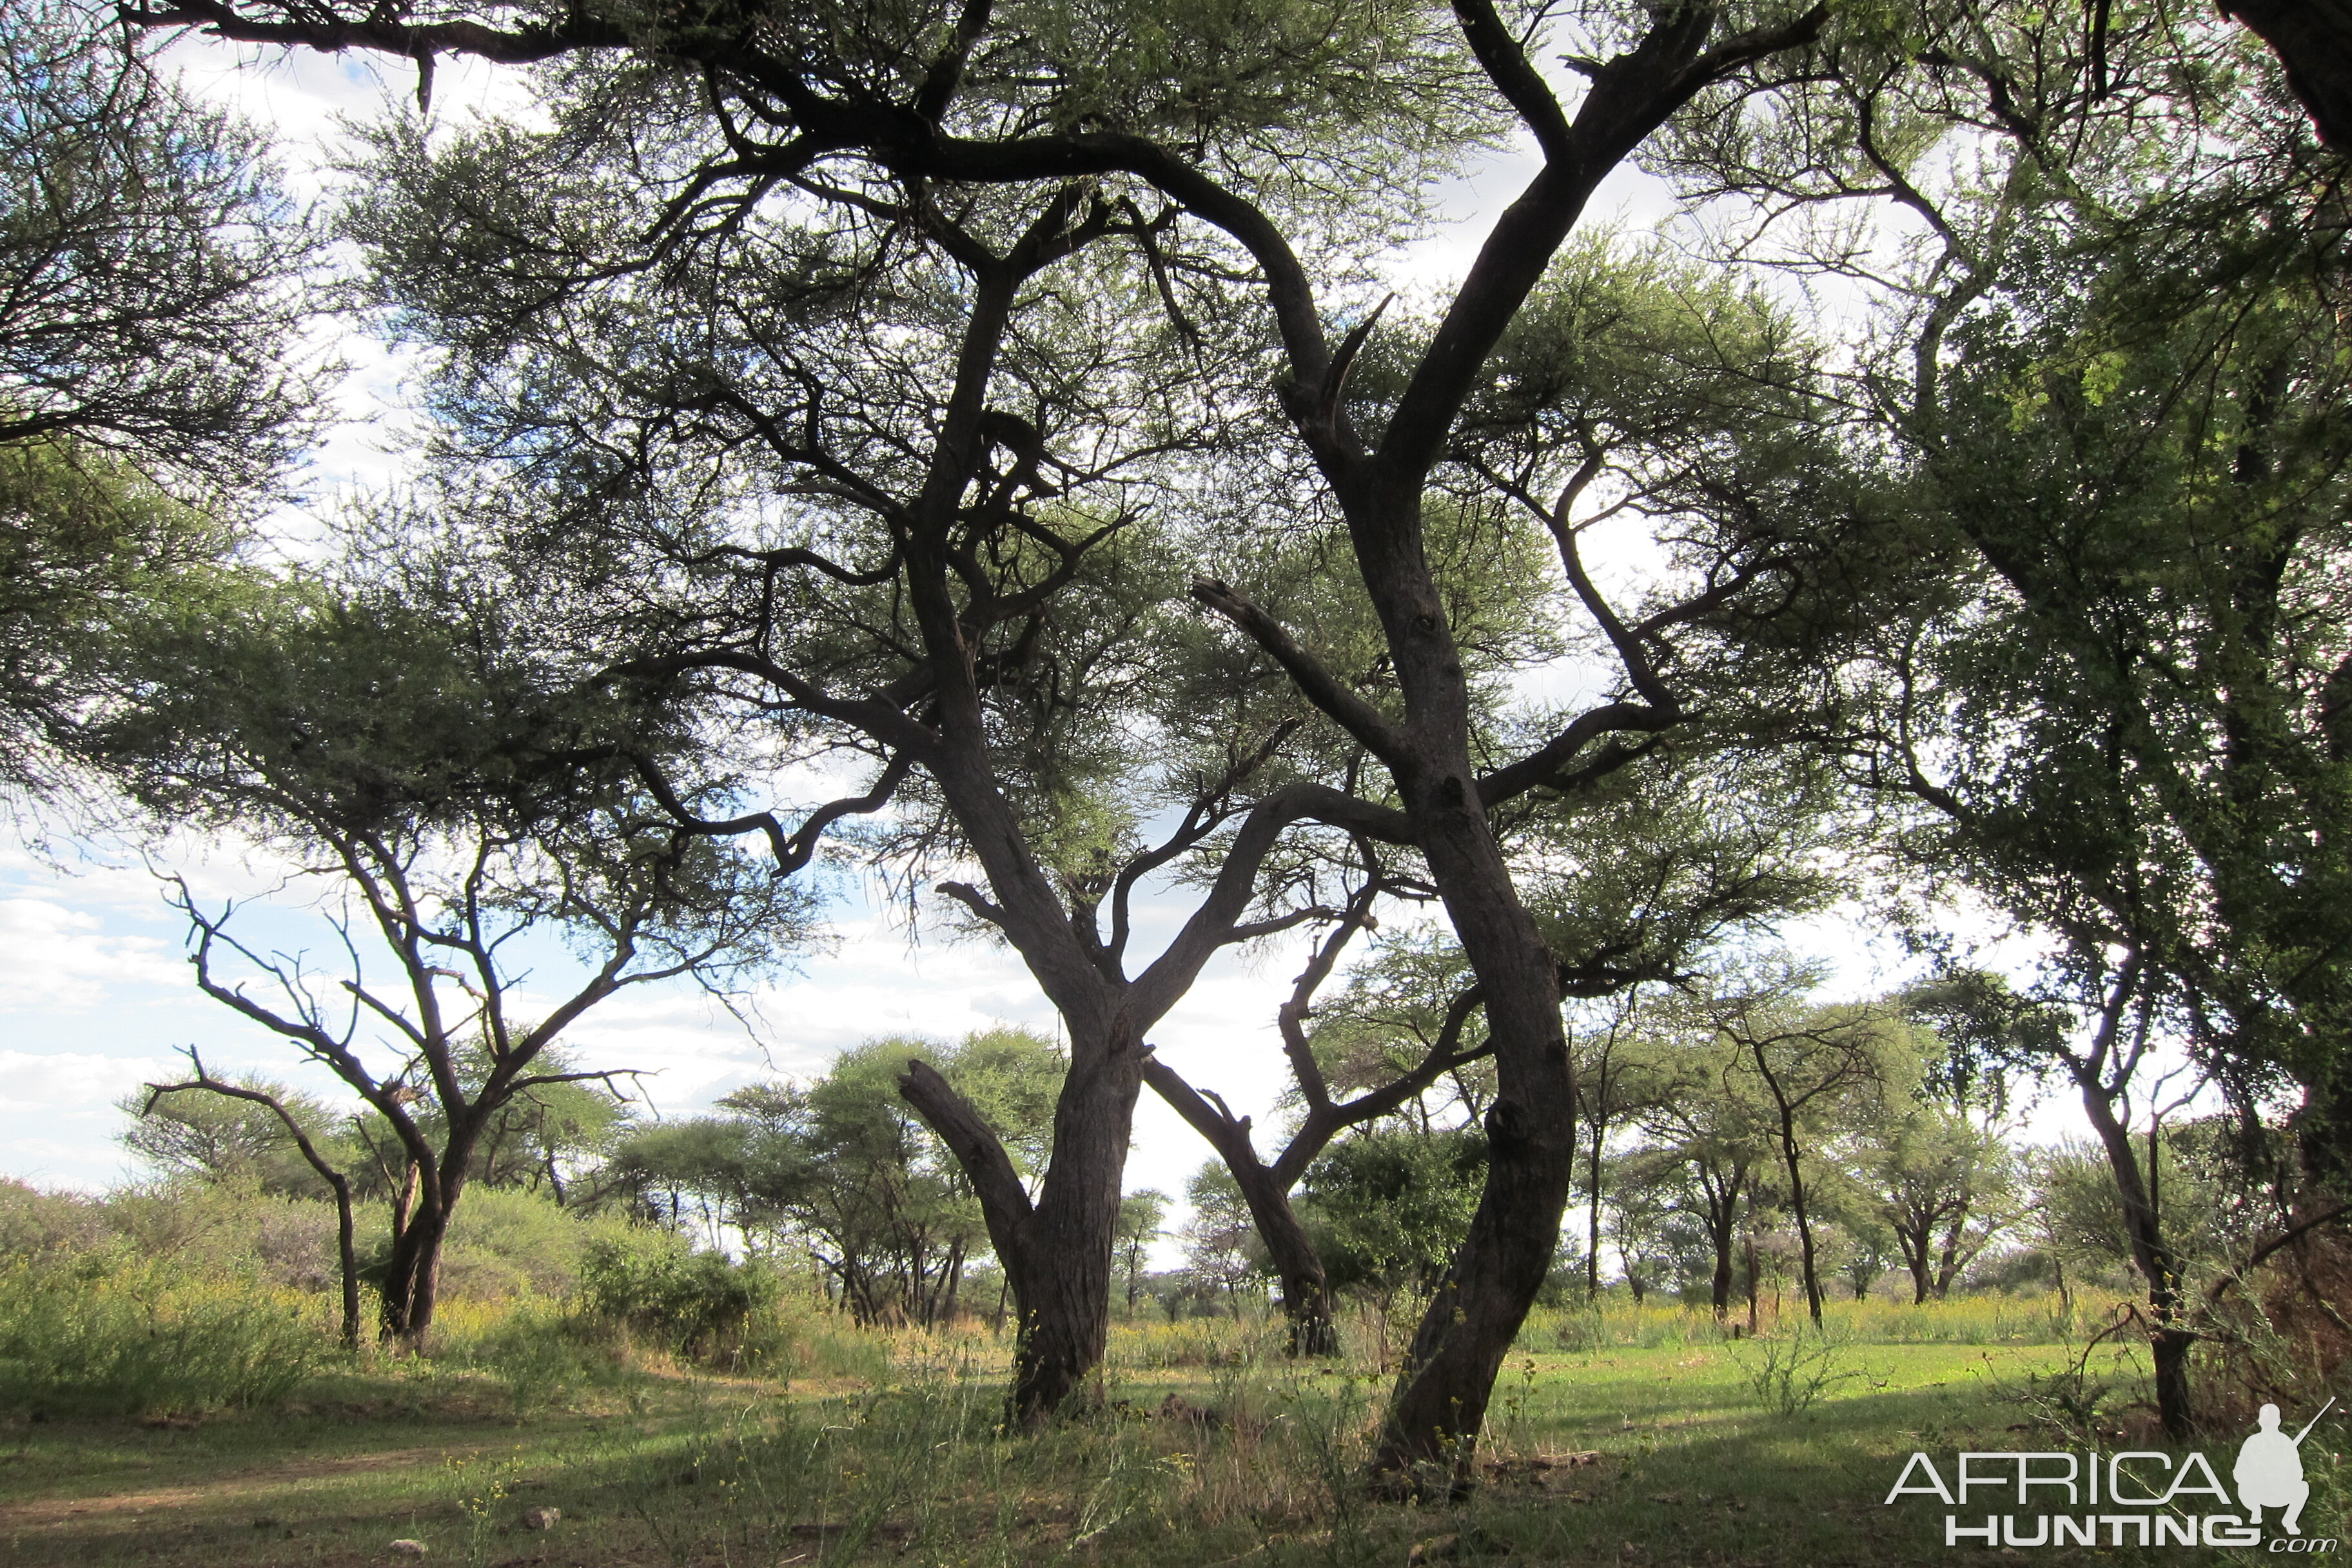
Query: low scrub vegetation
{"x": 663, "y": 1405}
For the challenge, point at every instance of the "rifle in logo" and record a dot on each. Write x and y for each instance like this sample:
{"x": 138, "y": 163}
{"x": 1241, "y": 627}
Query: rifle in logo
{"x": 2268, "y": 1471}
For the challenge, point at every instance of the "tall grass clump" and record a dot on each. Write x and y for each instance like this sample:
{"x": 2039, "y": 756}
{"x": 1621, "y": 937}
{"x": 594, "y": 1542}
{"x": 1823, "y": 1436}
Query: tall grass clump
{"x": 115, "y": 1334}
{"x": 1205, "y": 1342}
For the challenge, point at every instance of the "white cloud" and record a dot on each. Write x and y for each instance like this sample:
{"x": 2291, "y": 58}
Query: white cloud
{"x": 54, "y": 956}
{"x": 72, "y": 1083}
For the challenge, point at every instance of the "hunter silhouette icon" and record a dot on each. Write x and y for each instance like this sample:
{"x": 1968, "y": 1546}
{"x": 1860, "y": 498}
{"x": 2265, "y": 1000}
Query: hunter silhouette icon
{"x": 2269, "y": 1472}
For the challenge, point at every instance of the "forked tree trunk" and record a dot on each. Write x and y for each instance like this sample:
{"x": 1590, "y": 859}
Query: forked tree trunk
{"x": 1056, "y": 1252}
{"x": 412, "y": 1282}
{"x": 1063, "y": 1288}
{"x": 411, "y": 1286}
{"x": 1920, "y": 1282}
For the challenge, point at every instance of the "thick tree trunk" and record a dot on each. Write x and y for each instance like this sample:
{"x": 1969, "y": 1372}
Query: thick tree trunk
{"x": 411, "y": 1286}
{"x": 1723, "y": 1231}
{"x": 1061, "y": 1290}
{"x": 1433, "y": 1425}
{"x": 1805, "y": 1251}
{"x": 2168, "y": 1352}
{"x": 1056, "y": 1253}
{"x": 1440, "y": 1404}
{"x": 1790, "y": 1158}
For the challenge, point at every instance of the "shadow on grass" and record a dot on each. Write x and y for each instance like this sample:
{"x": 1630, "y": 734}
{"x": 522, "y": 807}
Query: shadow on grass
{"x": 1674, "y": 1463}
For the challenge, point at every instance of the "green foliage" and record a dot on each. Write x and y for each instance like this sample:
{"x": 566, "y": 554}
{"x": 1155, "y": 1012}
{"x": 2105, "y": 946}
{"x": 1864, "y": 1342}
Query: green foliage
{"x": 1789, "y": 1371}
{"x": 1222, "y": 1254}
{"x": 219, "y": 1139}
{"x": 512, "y": 1244}
{"x": 1141, "y": 1219}
{"x": 148, "y": 259}
{"x": 552, "y": 1134}
{"x": 116, "y": 1334}
{"x": 2202, "y": 1200}
{"x": 146, "y": 254}
{"x": 541, "y": 1355}
{"x": 696, "y": 1303}
{"x": 1387, "y": 1209}
{"x": 845, "y": 1167}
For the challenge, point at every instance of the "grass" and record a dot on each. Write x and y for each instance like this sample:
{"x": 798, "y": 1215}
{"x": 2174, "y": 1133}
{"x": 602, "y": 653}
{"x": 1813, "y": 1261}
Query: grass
{"x": 139, "y": 1335}
{"x": 1635, "y": 1438}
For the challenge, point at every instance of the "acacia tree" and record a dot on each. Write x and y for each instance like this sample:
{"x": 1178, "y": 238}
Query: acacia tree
{"x": 149, "y": 265}
{"x": 1929, "y": 1150}
{"x": 1005, "y": 143}
{"x": 1935, "y": 1184}
{"x": 1141, "y": 1221}
{"x": 421, "y": 770}
{"x": 843, "y": 1166}
{"x": 1710, "y": 1132}
{"x": 1809, "y": 1061}
{"x": 2109, "y": 381}
{"x": 970, "y": 616}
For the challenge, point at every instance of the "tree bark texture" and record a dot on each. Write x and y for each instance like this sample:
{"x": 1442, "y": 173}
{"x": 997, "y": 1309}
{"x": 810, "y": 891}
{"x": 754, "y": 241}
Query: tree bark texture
{"x": 412, "y": 1280}
{"x": 1056, "y": 1251}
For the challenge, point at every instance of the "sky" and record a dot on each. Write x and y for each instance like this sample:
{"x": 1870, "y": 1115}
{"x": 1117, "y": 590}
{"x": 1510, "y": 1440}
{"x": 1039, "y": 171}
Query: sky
{"x": 96, "y": 993}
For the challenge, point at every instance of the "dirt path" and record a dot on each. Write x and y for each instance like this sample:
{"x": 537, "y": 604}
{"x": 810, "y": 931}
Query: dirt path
{"x": 256, "y": 1481}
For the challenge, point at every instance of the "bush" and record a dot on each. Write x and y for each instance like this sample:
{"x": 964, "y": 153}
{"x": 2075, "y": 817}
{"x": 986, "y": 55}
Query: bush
{"x": 36, "y": 1224}
{"x": 696, "y": 1304}
{"x": 1789, "y": 1372}
{"x": 111, "y": 1335}
{"x": 540, "y": 1354}
{"x": 506, "y": 1245}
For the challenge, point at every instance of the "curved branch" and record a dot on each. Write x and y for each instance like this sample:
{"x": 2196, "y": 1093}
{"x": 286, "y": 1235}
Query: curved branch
{"x": 1321, "y": 686}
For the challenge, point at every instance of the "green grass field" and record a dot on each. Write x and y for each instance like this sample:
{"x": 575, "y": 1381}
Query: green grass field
{"x": 1637, "y": 1438}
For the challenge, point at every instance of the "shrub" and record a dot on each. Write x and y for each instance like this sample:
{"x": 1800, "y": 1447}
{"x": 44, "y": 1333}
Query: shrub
{"x": 116, "y": 1335}
{"x": 696, "y": 1304}
{"x": 1789, "y": 1372}
{"x": 540, "y": 1354}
